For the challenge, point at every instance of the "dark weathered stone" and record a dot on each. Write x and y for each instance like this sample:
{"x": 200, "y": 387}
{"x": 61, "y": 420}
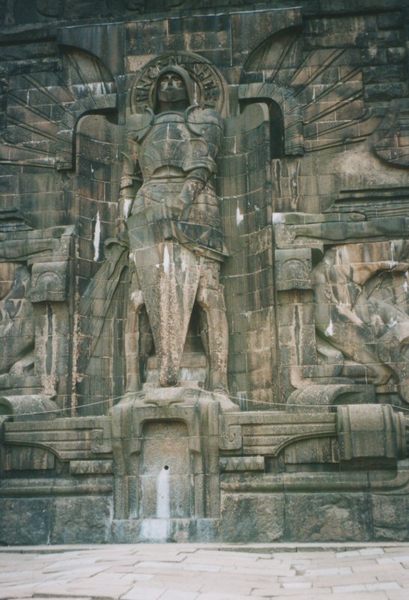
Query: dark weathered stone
{"x": 79, "y": 519}
{"x": 389, "y": 517}
{"x": 204, "y": 309}
{"x": 25, "y": 520}
{"x": 252, "y": 517}
{"x": 322, "y": 517}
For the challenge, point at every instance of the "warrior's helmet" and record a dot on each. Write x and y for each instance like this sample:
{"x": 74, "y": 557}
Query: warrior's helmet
{"x": 186, "y": 91}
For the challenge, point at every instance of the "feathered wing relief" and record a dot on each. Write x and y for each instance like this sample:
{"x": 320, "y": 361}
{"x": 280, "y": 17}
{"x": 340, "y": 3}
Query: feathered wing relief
{"x": 40, "y": 119}
{"x": 244, "y": 183}
{"x": 320, "y": 92}
{"x": 391, "y": 142}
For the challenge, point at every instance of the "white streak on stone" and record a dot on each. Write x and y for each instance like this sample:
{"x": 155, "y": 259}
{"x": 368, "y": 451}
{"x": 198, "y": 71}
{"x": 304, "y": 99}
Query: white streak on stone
{"x": 155, "y": 530}
{"x": 278, "y": 218}
{"x": 127, "y": 207}
{"x": 239, "y": 216}
{"x": 97, "y": 237}
{"x": 163, "y": 495}
{"x": 166, "y": 260}
{"x": 330, "y": 329}
{"x": 137, "y": 298}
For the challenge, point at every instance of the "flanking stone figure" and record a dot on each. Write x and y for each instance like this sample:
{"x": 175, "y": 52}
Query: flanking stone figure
{"x": 360, "y": 291}
{"x": 35, "y": 267}
{"x": 360, "y": 300}
{"x": 16, "y": 320}
{"x": 175, "y": 231}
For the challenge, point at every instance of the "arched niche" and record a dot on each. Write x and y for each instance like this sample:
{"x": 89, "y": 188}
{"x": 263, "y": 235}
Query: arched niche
{"x": 286, "y": 126}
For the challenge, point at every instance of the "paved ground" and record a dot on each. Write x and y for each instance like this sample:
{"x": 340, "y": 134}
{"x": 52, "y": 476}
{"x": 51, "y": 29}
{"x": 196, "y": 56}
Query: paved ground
{"x": 206, "y": 572}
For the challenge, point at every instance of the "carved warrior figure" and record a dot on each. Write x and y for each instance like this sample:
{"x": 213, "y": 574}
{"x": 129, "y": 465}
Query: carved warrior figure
{"x": 174, "y": 228}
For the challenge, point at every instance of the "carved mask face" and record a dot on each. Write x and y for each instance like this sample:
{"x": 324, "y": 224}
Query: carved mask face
{"x": 171, "y": 89}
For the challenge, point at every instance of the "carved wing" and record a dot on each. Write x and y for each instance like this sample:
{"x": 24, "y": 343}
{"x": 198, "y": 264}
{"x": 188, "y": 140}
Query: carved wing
{"x": 40, "y": 108}
{"x": 245, "y": 189}
{"x": 320, "y": 92}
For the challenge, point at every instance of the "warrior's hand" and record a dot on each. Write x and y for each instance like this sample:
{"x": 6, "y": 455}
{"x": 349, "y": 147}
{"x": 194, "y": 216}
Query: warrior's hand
{"x": 190, "y": 190}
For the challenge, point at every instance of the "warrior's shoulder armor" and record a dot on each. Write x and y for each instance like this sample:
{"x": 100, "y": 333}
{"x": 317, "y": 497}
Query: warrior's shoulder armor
{"x": 139, "y": 124}
{"x": 204, "y": 122}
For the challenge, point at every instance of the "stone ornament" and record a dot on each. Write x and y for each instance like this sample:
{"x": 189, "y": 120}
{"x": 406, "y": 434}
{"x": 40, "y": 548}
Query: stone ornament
{"x": 206, "y": 83}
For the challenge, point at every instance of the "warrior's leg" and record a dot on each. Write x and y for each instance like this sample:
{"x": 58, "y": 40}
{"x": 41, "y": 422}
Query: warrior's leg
{"x": 214, "y": 324}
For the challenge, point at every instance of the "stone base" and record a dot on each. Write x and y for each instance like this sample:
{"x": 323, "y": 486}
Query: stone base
{"x": 179, "y": 465}
{"x": 130, "y": 531}
{"x": 245, "y": 518}
{"x": 58, "y": 520}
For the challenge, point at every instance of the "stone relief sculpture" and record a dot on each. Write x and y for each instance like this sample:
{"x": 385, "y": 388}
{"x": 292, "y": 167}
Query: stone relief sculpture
{"x": 359, "y": 287}
{"x": 174, "y": 227}
{"x": 241, "y": 331}
{"x": 34, "y": 315}
{"x": 360, "y": 293}
{"x": 16, "y": 320}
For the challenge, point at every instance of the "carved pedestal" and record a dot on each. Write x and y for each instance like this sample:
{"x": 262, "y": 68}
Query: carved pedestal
{"x": 166, "y": 464}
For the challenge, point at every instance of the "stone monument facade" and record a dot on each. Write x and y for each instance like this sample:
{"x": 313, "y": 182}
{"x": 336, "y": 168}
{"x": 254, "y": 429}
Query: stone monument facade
{"x": 204, "y": 258}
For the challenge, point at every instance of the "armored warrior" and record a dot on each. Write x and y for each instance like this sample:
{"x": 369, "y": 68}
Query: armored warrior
{"x": 174, "y": 228}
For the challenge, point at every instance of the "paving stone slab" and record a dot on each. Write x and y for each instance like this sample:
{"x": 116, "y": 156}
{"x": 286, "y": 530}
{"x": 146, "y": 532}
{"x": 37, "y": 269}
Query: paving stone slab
{"x": 164, "y": 573}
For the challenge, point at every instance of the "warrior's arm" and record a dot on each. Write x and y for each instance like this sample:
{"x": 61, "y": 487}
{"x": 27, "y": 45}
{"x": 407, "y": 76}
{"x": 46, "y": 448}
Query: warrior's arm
{"x": 129, "y": 183}
{"x": 206, "y": 126}
{"x": 194, "y": 183}
{"x": 131, "y": 177}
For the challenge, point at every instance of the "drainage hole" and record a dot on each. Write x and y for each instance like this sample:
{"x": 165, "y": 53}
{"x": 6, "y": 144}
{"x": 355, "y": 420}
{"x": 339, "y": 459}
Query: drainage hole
{"x": 166, "y": 467}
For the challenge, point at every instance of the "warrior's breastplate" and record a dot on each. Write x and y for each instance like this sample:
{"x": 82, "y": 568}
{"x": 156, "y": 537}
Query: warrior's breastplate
{"x": 170, "y": 143}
